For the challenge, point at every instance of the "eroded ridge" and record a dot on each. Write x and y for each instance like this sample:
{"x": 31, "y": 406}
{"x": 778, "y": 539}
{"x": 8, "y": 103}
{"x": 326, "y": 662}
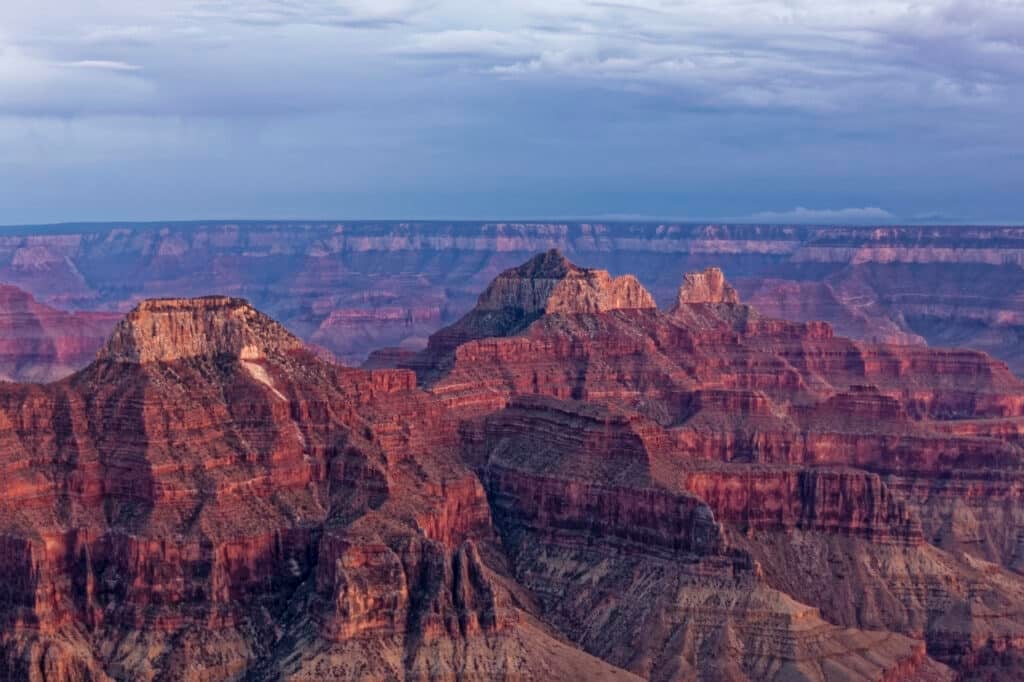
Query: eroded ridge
{"x": 568, "y": 483}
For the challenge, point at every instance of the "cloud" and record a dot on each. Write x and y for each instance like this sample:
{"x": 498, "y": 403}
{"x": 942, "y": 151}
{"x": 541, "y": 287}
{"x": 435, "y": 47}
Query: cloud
{"x": 471, "y": 42}
{"x": 866, "y": 214}
{"x": 351, "y": 14}
{"x": 32, "y": 84}
{"x": 795, "y": 55}
{"x": 103, "y": 65}
{"x": 532, "y": 107}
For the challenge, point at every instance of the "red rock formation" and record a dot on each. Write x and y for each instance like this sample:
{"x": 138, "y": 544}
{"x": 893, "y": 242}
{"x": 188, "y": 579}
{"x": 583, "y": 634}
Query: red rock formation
{"x": 168, "y": 330}
{"x": 953, "y": 285}
{"x": 597, "y": 526}
{"x": 549, "y": 283}
{"x": 546, "y": 284}
{"x": 706, "y": 287}
{"x": 40, "y": 343}
{"x": 168, "y": 506}
{"x": 778, "y": 428}
{"x": 567, "y": 483}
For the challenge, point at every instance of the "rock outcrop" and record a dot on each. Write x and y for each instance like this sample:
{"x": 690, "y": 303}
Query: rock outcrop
{"x": 706, "y": 287}
{"x": 547, "y": 284}
{"x": 784, "y": 433}
{"x": 166, "y": 330}
{"x": 567, "y": 483}
{"x": 209, "y": 500}
{"x": 641, "y": 572}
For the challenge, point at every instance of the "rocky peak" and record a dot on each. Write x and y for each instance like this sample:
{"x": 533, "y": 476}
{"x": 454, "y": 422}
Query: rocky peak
{"x": 550, "y": 264}
{"x": 168, "y": 329}
{"x": 708, "y": 286}
{"x": 549, "y": 283}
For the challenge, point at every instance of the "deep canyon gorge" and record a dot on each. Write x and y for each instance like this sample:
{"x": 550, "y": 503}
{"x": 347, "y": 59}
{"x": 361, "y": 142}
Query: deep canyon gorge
{"x": 636, "y": 470}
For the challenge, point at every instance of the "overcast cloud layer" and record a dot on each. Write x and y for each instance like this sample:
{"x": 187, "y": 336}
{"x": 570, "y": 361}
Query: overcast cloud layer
{"x": 783, "y": 111}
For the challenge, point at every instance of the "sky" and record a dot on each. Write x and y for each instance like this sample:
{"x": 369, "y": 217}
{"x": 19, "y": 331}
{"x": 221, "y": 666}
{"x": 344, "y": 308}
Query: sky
{"x": 848, "y": 111}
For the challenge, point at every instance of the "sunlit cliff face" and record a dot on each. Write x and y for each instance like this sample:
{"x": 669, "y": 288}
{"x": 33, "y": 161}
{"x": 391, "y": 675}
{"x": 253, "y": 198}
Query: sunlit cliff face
{"x": 165, "y": 330}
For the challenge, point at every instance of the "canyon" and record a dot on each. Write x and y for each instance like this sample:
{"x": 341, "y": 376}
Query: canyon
{"x": 353, "y": 287}
{"x": 577, "y": 477}
{"x": 42, "y": 343}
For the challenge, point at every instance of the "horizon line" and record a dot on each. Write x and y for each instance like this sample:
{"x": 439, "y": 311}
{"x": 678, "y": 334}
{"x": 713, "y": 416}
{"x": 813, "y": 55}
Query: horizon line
{"x": 614, "y": 220}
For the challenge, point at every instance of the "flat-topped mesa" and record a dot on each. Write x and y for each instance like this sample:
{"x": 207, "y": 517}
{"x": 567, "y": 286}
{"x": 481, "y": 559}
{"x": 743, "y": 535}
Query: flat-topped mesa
{"x": 169, "y": 329}
{"x": 706, "y": 287}
{"x": 549, "y": 283}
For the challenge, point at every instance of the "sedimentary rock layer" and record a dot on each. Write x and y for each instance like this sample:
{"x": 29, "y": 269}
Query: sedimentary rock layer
{"x": 353, "y": 287}
{"x": 209, "y": 500}
{"x": 41, "y": 343}
{"x": 616, "y": 428}
{"x": 567, "y": 483}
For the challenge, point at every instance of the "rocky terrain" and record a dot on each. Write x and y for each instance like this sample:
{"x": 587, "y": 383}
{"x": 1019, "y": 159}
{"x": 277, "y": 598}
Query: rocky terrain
{"x": 353, "y": 287}
{"x": 568, "y": 482}
{"x": 209, "y": 500}
{"x": 41, "y": 343}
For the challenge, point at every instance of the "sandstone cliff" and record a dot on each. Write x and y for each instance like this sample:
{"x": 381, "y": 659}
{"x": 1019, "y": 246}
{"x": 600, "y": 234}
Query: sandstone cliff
{"x": 166, "y": 330}
{"x": 209, "y": 500}
{"x": 547, "y": 284}
{"x": 792, "y": 438}
{"x": 568, "y": 483}
{"x": 706, "y": 287}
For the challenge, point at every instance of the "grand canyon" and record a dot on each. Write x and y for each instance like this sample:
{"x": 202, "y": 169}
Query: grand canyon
{"x": 529, "y": 341}
{"x": 355, "y": 287}
{"x": 663, "y": 452}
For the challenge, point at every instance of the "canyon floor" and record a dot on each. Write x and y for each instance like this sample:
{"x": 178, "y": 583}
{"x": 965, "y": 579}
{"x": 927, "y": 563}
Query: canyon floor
{"x": 578, "y": 478}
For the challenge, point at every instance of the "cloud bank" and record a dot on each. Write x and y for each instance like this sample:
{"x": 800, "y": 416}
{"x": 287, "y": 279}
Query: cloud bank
{"x": 867, "y": 214}
{"x": 405, "y": 107}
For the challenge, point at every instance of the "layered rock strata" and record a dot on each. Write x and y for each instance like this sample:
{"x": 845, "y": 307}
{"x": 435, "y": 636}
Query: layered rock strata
{"x": 41, "y": 343}
{"x": 353, "y": 287}
{"x": 567, "y": 483}
{"x": 793, "y": 439}
{"x": 707, "y": 287}
{"x": 209, "y": 500}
